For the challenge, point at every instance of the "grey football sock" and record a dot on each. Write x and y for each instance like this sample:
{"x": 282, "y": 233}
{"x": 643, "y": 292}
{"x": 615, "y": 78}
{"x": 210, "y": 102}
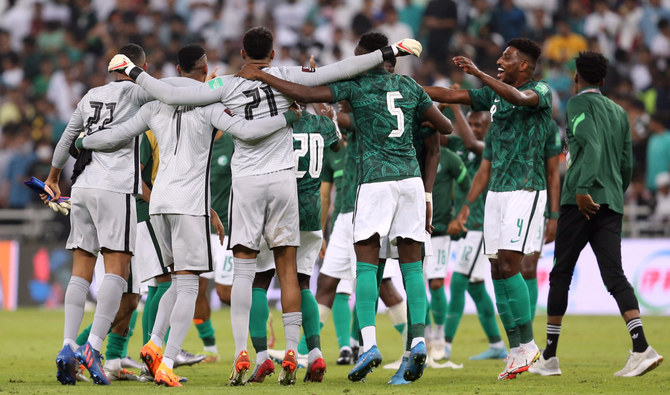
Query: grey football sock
{"x": 182, "y": 313}
{"x": 75, "y": 298}
{"x": 244, "y": 271}
{"x": 109, "y": 298}
{"x": 162, "y": 322}
{"x": 292, "y": 323}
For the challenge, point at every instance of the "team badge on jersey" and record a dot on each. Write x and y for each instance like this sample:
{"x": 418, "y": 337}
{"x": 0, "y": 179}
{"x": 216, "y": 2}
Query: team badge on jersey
{"x": 308, "y": 69}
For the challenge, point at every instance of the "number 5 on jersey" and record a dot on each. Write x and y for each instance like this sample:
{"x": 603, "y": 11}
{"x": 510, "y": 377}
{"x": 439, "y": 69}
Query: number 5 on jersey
{"x": 399, "y": 116}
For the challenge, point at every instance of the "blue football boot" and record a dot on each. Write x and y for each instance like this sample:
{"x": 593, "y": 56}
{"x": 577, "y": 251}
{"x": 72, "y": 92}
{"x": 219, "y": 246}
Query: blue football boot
{"x": 491, "y": 353}
{"x": 366, "y": 362}
{"x": 398, "y": 378}
{"x": 90, "y": 358}
{"x": 66, "y": 365}
{"x": 416, "y": 363}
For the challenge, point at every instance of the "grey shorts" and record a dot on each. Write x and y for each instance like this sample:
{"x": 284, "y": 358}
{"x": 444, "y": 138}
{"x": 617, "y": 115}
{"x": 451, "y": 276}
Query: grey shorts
{"x": 102, "y": 219}
{"x": 184, "y": 241}
{"x": 264, "y": 206}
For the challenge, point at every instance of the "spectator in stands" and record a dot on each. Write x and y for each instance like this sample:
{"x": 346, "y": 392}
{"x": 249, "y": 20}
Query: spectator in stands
{"x": 411, "y": 14}
{"x": 629, "y": 30}
{"x": 602, "y": 24}
{"x": 396, "y": 31}
{"x": 662, "y": 210}
{"x": 653, "y": 12}
{"x": 564, "y": 45}
{"x": 577, "y": 12}
{"x": 363, "y": 21}
{"x": 22, "y": 158}
{"x": 509, "y": 20}
{"x": 658, "y": 151}
{"x": 660, "y": 45}
{"x": 439, "y": 20}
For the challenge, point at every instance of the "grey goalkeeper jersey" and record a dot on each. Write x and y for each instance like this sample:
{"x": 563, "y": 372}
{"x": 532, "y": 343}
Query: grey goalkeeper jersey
{"x": 257, "y": 100}
{"x": 105, "y": 107}
{"x": 185, "y": 135}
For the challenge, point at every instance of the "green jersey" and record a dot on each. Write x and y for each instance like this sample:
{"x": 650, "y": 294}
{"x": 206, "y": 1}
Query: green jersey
{"x": 386, "y": 107}
{"x": 333, "y": 172}
{"x": 450, "y": 169}
{"x": 220, "y": 177}
{"x": 472, "y": 162}
{"x": 515, "y": 141}
{"x": 601, "y": 156}
{"x": 310, "y": 136}
{"x": 347, "y": 196}
{"x": 420, "y": 134}
{"x": 149, "y": 160}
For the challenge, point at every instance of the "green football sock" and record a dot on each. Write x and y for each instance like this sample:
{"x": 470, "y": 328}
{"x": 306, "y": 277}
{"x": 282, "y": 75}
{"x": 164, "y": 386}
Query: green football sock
{"x": 415, "y": 288}
{"x": 115, "y": 344}
{"x": 366, "y": 293}
{"x": 83, "y": 336}
{"x": 152, "y": 309}
{"x": 438, "y": 304}
{"x": 505, "y": 313}
{"x": 427, "y": 320}
{"x": 342, "y": 319}
{"x": 519, "y": 303}
{"x": 258, "y": 326}
{"x": 131, "y": 331}
{"x": 532, "y": 296}
{"x": 146, "y": 332}
{"x": 206, "y": 333}
{"x": 310, "y": 319}
{"x": 459, "y": 283}
{"x": 485, "y": 311}
{"x": 355, "y": 328}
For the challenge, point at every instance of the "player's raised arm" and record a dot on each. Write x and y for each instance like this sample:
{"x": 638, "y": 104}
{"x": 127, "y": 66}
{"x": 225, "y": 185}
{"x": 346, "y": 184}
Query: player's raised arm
{"x": 441, "y": 123}
{"x": 298, "y": 92}
{"x": 464, "y": 130}
{"x": 242, "y": 129}
{"x": 118, "y": 136}
{"x": 200, "y": 95}
{"x": 447, "y": 95}
{"x": 350, "y": 67}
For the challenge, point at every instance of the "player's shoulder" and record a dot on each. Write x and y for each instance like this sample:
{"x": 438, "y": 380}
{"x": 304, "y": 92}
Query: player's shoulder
{"x": 540, "y": 86}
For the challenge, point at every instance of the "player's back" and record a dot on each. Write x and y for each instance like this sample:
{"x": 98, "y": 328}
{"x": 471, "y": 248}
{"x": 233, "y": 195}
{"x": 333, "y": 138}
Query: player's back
{"x": 255, "y": 100}
{"x": 185, "y": 137}
{"x": 386, "y": 107}
{"x": 102, "y": 108}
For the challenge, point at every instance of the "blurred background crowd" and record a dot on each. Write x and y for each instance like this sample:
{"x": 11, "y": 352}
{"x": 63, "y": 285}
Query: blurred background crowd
{"x": 53, "y": 51}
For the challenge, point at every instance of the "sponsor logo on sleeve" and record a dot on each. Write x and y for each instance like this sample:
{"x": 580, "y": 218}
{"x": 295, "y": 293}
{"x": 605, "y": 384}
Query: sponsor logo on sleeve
{"x": 308, "y": 69}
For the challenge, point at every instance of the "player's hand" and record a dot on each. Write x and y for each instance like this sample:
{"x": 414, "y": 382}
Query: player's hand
{"x": 121, "y": 64}
{"x": 407, "y": 46}
{"x": 52, "y": 189}
{"x": 328, "y": 111}
{"x": 429, "y": 217}
{"x": 312, "y": 62}
{"x": 212, "y": 75}
{"x": 586, "y": 205}
{"x": 322, "y": 251}
{"x": 79, "y": 143}
{"x": 466, "y": 65}
{"x": 296, "y": 109}
{"x": 455, "y": 227}
{"x": 250, "y": 72}
{"x": 463, "y": 216}
{"x": 550, "y": 231}
{"x": 218, "y": 226}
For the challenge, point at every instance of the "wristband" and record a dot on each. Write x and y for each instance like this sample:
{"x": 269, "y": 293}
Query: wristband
{"x": 387, "y": 53}
{"x": 135, "y": 72}
{"x": 553, "y": 215}
{"x": 429, "y": 197}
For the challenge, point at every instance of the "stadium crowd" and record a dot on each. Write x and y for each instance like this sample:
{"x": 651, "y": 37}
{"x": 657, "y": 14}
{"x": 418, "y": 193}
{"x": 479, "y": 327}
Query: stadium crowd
{"x": 53, "y": 51}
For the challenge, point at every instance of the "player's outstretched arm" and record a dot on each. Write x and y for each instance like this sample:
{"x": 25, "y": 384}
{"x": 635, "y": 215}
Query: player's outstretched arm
{"x": 350, "y": 67}
{"x": 298, "y": 92}
{"x": 200, "y": 95}
{"x": 242, "y": 129}
{"x": 507, "y": 92}
{"x": 464, "y": 130}
{"x": 106, "y": 140}
{"x": 447, "y": 95}
{"x": 554, "y": 192}
{"x": 441, "y": 123}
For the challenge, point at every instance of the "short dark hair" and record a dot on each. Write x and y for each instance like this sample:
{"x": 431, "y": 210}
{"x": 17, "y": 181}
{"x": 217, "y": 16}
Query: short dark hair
{"x": 134, "y": 52}
{"x": 188, "y": 56}
{"x": 527, "y": 47}
{"x": 591, "y": 66}
{"x": 373, "y": 41}
{"x": 257, "y": 42}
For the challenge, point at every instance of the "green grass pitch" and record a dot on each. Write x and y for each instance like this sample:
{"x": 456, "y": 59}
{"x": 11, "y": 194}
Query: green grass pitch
{"x": 591, "y": 349}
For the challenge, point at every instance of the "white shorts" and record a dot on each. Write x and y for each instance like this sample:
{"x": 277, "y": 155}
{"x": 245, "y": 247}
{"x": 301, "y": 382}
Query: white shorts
{"x": 223, "y": 262}
{"x": 148, "y": 253}
{"x": 435, "y": 266}
{"x": 387, "y": 250}
{"x": 511, "y": 219}
{"x": 340, "y": 259}
{"x": 102, "y": 219}
{"x": 133, "y": 277}
{"x": 471, "y": 261}
{"x": 391, "y": 269}
{"x": 538, "y": 238}
{"x": 184, "y": 241}
{"x": 264, "y": 206}
{"x": 310, "y": 244}
{"x": 391, "y": 209}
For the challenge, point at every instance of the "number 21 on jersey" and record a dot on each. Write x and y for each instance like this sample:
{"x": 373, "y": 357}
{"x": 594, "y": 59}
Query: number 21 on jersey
{"x": 311, "y": 144}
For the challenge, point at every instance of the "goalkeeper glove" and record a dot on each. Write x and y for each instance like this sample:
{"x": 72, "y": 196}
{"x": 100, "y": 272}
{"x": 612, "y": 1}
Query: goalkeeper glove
{"x": 62, "y": 206}
{"x": 121, "y": 64}
{"x": 404, "y": 47}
